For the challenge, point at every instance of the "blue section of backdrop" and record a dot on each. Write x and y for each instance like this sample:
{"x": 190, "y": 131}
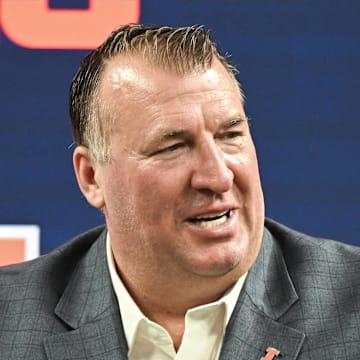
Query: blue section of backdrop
{"x": 299, "y": 64}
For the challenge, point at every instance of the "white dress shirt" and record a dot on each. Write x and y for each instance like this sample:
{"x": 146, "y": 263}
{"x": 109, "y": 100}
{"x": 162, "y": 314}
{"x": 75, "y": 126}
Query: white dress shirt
{"x": 204, "y": 325}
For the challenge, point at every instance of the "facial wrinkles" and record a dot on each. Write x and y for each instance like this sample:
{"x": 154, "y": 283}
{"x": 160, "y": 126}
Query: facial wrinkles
{"x": 131, "y": 80}
{"x": 154, "y": 96}
{"x": 210, "y": 107}
{"x": 165, "y": 90}
{"x": 212, "y": 82}
{"x": 199, "y": 127}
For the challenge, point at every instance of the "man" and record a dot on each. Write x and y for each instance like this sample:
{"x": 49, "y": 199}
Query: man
{"x": 185, "y": 268}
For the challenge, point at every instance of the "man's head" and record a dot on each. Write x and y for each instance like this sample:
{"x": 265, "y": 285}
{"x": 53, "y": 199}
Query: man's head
{"x": 175, "y": 171}
{"x": 183, "y": 51}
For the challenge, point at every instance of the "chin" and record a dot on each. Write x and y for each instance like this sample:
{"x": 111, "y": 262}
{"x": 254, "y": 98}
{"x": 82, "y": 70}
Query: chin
{"x": 218, "y": 268}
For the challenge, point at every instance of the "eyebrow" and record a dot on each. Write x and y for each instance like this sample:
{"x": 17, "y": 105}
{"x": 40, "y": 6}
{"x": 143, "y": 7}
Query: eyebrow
{"x": 170, "y": 135}
{"x": 180, "y": 134}
{"x": 173, "y": 134}
{"x": 234, "y": 122}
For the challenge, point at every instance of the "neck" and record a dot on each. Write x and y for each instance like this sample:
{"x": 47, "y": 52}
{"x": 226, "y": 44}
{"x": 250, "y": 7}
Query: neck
{"x": 168, "y": 307}
{"x": 165, "y": 294}
{"x": 161, "y": 298}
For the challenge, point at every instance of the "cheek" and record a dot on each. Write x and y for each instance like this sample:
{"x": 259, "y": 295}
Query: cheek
{"x": 161, "y": 193}
{"x": 118, "y": 190}
{"x": 246, "y": 173}
{"x": 154, "y": 196}
{"x": 248, "y": 184}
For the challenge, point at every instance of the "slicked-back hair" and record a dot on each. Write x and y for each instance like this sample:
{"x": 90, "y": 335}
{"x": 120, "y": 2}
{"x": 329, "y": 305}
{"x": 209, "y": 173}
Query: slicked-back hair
{"x": 183, "y": 50}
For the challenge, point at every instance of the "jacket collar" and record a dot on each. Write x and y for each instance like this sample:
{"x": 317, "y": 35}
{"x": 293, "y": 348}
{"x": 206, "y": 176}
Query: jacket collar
{"x": 89, "y": 308}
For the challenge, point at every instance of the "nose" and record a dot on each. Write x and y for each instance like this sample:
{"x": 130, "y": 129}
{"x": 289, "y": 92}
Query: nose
{"x": 212, "y": 172}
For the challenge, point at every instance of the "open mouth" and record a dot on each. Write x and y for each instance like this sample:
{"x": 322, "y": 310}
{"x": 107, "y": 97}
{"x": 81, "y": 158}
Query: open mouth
{"x": 210, "y": 220}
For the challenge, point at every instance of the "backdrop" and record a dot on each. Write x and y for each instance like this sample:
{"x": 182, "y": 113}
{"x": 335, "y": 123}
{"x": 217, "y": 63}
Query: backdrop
{"x": 299, "y": 64}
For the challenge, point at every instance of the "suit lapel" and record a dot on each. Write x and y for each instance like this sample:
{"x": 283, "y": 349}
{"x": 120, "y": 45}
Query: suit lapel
{"x": 255, "y": 325}
{"x": 89, "y": 307}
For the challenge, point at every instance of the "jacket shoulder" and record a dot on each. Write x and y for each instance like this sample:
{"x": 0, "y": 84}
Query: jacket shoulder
{"x": 30, "y": 292}
{"x": 301, "y": 245}
{"x": 326, "y": 268}
{"x": 53, "y": 269}
{"x": 325, "y": 276}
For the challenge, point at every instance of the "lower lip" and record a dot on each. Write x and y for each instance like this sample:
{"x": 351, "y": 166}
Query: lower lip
{"x": 221, "y": 231}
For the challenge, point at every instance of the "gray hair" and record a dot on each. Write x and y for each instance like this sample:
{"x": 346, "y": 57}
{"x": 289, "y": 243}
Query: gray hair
{"x": 183, "y": 50}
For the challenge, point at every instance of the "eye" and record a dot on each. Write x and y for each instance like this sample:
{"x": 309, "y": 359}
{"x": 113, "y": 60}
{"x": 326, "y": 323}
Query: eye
{"x": 170, "y": 149}
{"x": 174, "y": 147}
{"x": 231, "y": 135}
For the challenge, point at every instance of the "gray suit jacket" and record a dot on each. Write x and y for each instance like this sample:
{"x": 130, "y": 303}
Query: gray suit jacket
{"x": 302, "y": 296}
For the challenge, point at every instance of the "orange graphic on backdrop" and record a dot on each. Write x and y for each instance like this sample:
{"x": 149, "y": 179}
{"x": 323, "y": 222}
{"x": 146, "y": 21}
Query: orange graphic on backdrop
{"x": 33, "y": 24}
{"x": 12, "y": 251}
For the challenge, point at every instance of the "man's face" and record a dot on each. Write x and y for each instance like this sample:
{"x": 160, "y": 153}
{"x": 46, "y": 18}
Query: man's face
{"x": 182, "y": 191}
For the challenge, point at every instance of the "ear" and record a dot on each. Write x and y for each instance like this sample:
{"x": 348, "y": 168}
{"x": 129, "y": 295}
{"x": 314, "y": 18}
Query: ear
{"x": 85, "y": 169}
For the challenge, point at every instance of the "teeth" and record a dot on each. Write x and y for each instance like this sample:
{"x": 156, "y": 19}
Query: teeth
{"x": 211, "y": 216}
{"x": 212, "y": 219}
{"x": 211, "y": 223}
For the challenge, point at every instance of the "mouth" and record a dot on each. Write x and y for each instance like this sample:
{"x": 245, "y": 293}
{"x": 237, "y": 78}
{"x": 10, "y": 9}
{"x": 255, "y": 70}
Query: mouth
{"x": 212, "y": 219}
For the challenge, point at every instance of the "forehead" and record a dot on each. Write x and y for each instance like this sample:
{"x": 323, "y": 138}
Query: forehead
{"x": 132, "y": 75}
{"x": 131, "y": 87}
